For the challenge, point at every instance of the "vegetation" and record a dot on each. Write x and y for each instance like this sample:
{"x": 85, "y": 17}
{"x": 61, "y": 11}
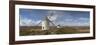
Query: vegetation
{"x": 36, "y": 30}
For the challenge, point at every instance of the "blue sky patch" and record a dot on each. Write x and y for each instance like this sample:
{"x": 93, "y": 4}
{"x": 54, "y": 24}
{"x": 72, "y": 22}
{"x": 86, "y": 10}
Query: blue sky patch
{"x": 31, "y": 17}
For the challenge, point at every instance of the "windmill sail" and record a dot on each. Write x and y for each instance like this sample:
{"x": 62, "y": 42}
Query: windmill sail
{"x": 52, "y": 23}
{"x": 46, "y": 22}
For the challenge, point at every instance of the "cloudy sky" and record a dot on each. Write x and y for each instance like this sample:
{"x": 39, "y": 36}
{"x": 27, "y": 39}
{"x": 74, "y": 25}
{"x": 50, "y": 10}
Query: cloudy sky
{"x": 31, "y": 17}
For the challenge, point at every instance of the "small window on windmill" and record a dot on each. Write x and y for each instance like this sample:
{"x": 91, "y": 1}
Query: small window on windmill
{"x": 43, "y": 27}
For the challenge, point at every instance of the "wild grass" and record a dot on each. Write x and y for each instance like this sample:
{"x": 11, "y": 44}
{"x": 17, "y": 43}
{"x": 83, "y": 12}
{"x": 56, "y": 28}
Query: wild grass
{"x": 36, "y": 30}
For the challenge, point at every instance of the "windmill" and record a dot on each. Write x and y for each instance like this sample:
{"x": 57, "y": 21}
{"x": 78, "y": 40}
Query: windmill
{"x": 46, "y": 21}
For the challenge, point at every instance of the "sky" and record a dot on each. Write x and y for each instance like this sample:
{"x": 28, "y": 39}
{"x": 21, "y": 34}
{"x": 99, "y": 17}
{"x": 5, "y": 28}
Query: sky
{"x": 32, "y": 17}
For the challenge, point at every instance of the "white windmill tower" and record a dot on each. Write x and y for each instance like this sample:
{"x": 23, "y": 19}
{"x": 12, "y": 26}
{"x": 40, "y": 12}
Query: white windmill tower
{"x": 46, "y": 21}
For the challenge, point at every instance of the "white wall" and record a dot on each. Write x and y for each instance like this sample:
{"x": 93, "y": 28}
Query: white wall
{"x": 4, "y": 23}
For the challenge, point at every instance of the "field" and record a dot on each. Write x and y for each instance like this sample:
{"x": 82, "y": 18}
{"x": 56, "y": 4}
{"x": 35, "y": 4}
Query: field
{"x": 36, "y": 30}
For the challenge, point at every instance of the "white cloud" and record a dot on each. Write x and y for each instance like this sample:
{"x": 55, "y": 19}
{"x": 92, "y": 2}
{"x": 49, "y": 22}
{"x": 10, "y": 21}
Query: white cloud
{"x": 28, "y": 22}
{"x": 69, "y": 21}
{"x": 56, "y": 15}
{"x": 83, "y": 19}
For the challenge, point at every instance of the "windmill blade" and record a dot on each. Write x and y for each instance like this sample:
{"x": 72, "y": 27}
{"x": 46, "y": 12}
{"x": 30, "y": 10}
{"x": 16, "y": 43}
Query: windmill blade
{"x": 52, "y": 23}
{"x": 38, "y": 23}
{"x": 51, "y": 14}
